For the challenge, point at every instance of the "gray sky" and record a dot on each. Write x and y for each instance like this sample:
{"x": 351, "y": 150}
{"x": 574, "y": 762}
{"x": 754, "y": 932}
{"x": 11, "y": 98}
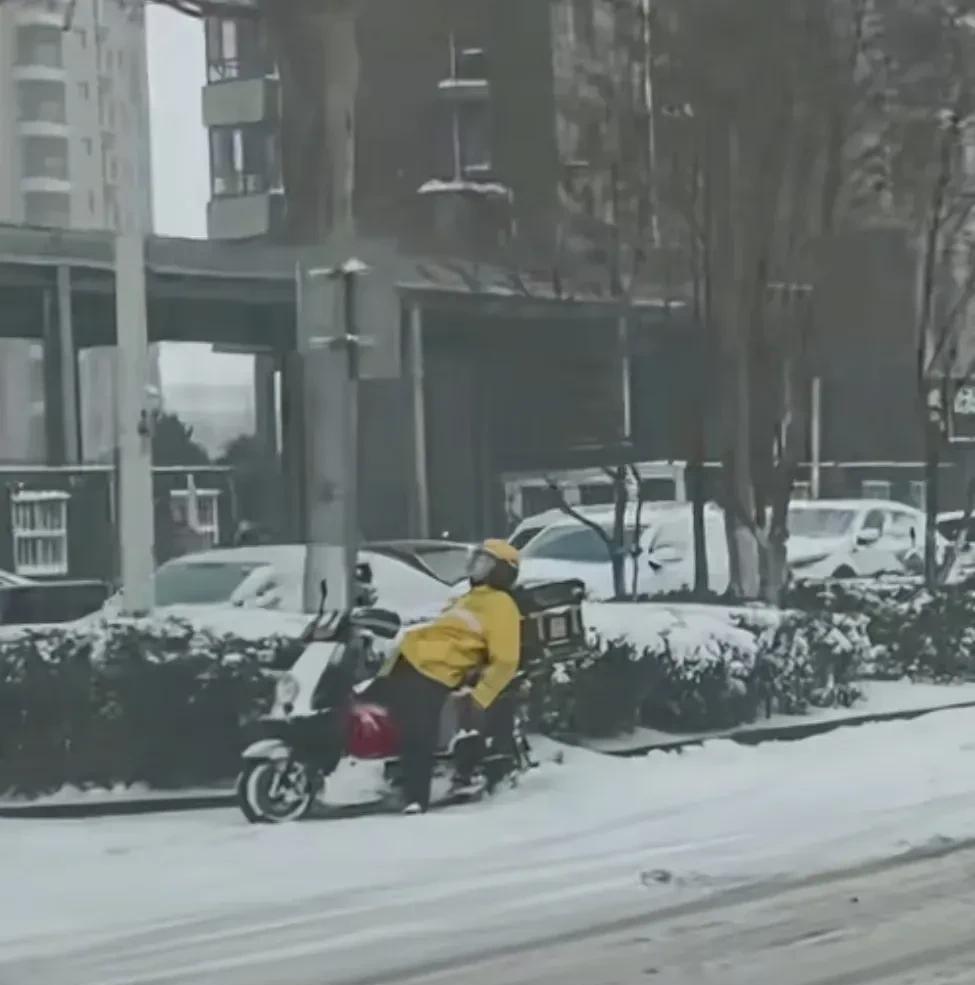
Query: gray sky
{"x": 180, "y": 167}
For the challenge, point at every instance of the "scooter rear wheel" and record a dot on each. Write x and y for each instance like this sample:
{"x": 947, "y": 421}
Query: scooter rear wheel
{"x": 275, "y": 793}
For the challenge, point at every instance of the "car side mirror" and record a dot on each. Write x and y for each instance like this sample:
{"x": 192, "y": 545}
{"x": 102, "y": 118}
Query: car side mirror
{"x": 868, "y": 536}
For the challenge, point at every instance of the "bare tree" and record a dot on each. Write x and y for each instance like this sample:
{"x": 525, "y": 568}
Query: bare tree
{"x": 623, "y": 540}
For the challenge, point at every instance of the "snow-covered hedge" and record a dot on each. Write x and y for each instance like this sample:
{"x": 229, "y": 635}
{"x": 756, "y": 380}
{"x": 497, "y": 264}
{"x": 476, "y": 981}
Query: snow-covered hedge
{"x": 913, "y": 632}
{"x": 169, "y": 703}
{"x": 161, "y": 702}
{"x": 695, "y": 667}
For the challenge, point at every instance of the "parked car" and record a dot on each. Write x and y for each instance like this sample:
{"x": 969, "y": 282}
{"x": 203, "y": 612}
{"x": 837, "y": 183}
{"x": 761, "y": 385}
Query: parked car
{"x": 272, "y": 577}
{"x": 849, "y": 538}
{"x": 827, "y": 539}
{"x": 569, "y": 548}
{"x": 24, "y": 602}
{"x": 445, "y": 560}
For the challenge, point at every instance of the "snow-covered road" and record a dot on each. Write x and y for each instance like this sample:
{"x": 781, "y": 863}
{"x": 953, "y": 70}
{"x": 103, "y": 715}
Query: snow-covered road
{"x": 204, "y": 898}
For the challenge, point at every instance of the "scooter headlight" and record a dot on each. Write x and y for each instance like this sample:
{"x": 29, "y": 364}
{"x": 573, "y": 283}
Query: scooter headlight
{"x": 287, "y": 689}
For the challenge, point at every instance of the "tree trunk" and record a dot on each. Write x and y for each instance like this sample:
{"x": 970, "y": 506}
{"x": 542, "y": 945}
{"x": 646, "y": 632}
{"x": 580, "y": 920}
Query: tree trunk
{"x": 794, "y": 415}
{"x": 317, "y": 56}
{"x": 619, "y": 532}
{"x": 931, "y": 462}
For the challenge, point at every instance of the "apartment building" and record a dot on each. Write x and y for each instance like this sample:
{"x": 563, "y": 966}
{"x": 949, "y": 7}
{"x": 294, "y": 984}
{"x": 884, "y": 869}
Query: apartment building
{"x": 467, "y": 130}
{"x": 74, "y": 140}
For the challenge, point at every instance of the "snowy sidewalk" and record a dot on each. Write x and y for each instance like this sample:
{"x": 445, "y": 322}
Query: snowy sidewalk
{"x": 883, "y": 701}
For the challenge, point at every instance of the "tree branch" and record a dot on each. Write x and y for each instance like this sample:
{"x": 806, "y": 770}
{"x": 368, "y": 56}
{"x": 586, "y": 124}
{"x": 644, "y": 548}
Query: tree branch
{"x": 570, "y": 510}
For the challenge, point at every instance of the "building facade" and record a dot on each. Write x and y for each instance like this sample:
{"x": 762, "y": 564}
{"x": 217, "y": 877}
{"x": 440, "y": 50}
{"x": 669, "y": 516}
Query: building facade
{"x": 470, "y": 137}
{"x": 74, "y": 135}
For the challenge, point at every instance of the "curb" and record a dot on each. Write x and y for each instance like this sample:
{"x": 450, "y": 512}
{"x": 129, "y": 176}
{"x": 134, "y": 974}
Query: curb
{"x": 119, "y": 808}
{"x": 785, "y": 733}
{"x": 745, "y": 737}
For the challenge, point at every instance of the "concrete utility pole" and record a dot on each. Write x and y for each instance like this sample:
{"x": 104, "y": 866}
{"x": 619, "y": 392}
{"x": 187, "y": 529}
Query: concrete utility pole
{"x": 327, "y": 297}
{"x": 134, "y": 426}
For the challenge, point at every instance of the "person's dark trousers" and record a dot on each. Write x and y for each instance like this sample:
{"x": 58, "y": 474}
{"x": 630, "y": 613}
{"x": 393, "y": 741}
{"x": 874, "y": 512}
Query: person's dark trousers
{"x": 416, "y": 702}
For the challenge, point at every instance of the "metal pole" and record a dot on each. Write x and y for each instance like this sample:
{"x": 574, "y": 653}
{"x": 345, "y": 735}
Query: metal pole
{"x": 816, "y": 436}
{"x": 419, "y": 422}
{"x": 134, "y": 426}
{"x": 68, "y": 367}
{"x": 351, "y": 437}
{"x": 330, "y": 394}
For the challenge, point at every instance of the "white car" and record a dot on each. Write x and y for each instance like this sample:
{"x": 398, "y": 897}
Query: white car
{"x": 851, "y": 538}
{"x": 272, "y": 577}
{"x": 568, "y": 548}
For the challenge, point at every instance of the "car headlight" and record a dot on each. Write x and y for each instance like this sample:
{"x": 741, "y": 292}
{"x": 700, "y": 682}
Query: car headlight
{"x": 287, "y": 689}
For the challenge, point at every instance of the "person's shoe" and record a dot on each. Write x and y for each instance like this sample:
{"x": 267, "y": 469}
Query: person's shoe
{"x": 413, "y": 808}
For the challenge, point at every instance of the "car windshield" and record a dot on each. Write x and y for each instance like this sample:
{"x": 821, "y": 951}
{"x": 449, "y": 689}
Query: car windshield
{"x": 200, "y": 582}
{"x": 524, "y": 535}
{"x": 448, "y": 563}
{"x": 812, "y": 522}
{"x": 573, "y": 543}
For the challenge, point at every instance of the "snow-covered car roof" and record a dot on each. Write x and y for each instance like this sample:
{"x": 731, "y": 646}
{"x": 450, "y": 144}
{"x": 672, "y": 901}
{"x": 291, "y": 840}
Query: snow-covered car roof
{"x": 605, "y": 512}
{"x": 857, "y": 505}
{"x": 399, "y": 586}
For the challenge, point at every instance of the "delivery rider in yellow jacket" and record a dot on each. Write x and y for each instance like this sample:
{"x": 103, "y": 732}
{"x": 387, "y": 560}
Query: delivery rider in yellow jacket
{"x": 477, "y": 634}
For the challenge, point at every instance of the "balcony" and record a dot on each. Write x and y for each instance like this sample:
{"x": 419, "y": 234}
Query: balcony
{"x": 49, "y": 14}
{"x": 239, "y": 102}
{"x": 39, "y": 73}
{"x": 43, "y": 128}
{"x": 44, "y": 183}
{"x": 464, "y": 90}
{"x": 245, "y": 216}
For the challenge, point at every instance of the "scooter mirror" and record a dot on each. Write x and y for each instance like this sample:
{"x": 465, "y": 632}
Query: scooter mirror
{"x": 323, "y": 588}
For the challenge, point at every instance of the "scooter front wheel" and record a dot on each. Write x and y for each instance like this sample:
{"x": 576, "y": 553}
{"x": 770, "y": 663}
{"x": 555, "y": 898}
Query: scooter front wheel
{"x": 275, "y": 792}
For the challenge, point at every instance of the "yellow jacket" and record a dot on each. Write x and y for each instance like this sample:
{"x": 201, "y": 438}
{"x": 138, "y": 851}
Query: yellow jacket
{"x": 480, "y": 631}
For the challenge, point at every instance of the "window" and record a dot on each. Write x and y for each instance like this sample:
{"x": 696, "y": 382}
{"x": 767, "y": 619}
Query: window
{"x": 875, "y": 489}
{"x": 875, "y": 520}
{"x": 570, "y": 544}
{"x": 84, "y": 90}
{"x": 89, "y": 145}
{"x": 207, "y": 514}
{"x": 44, "y": 157}
{"x": 41, "y": 100}
{"x": 243, "y": 160}
{"x": 464, "y": 152}
{"x": 82, "y": 37}
{"x": 905, "y": 527}
{"x": 40, "y": 533}
{"x": 918, "y": 494}
{"x": 91, "y": 202}
{"x": 471, "y": 63}
{"x": 236, "y": 49}
{"x": 51, "y": 209}
{"x": 474, "y": 125}
{"x": 39, "y": 44}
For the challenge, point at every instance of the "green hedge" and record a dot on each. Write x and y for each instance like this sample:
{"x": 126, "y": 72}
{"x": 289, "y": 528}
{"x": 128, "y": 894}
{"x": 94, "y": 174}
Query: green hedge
{"x": 740, "y": 668}
{"x": 156, "y": 703}
{"x": 170, "y": 705}
{"x": 914, "y": 633}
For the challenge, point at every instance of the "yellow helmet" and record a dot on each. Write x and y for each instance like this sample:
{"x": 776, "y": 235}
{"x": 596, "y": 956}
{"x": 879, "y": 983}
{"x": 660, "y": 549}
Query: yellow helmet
{"x": 503, "y": 551}
{"x": 495, "y": 564}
